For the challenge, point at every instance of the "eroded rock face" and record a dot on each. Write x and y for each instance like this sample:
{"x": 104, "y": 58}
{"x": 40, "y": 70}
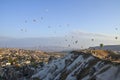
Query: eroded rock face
{"x": 79, "y": 66}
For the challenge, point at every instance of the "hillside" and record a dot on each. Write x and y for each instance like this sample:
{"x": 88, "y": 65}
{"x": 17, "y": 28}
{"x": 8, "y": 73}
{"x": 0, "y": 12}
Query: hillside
{"x": 20, "y": 64}
{"x": 82, "y": 65}
{"x": 108, "y": 47}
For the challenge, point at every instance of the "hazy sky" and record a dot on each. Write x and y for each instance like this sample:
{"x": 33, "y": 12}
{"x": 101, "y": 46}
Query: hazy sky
{"x": 46, "y": 18}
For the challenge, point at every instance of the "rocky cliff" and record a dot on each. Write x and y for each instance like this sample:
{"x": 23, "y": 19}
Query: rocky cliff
{"x": 81, "y": 65}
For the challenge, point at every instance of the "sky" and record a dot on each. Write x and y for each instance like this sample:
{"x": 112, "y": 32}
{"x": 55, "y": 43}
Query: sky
{"x": 45, "y": 18}
{"x": 61, "y": 19}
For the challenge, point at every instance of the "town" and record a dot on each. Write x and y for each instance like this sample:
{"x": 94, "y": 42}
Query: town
{"x": 20, "y": 63}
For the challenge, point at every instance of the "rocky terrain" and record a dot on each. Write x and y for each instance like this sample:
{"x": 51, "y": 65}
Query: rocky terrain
{"x": 19, "y": 64}
{"x": 82, "y": 65}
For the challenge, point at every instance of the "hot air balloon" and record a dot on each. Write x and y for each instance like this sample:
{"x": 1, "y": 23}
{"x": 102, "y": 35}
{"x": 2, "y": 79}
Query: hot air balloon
{"x": 41, "y": 18}
{"x": 21, "y": 29}
{"x": 34, "y": 20}
{"x": 116, "y": 38}
{"x": 69, "y": 45}
{"x": 92, "y": 39}
{"x": 25, "y": 21}
{"x": 76, "y": 41}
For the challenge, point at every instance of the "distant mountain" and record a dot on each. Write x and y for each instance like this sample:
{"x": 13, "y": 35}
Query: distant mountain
{"x": 50, "y": 48}
{"x": 74, "y": 40}
{"x": 44, "y": 44}
{"x": 109, "y": 47}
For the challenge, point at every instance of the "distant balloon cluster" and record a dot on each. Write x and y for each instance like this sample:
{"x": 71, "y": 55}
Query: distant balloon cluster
{"x": 41, "y": 18}
{"x": 72, "y": 41}
{"x": 116, "y": 31}
{"x": 24, "y": 30}
{"x": 60, "y": 26}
